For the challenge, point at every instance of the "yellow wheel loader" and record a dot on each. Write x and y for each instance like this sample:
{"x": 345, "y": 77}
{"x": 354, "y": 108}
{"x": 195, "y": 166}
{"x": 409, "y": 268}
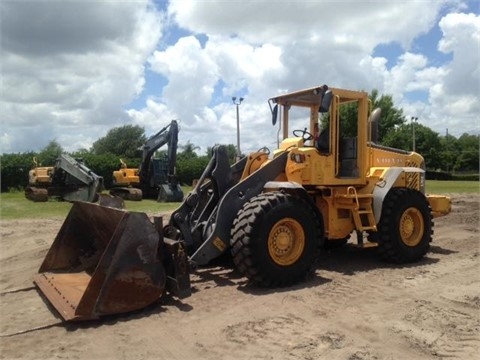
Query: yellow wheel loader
{"x": 272, "y": 211}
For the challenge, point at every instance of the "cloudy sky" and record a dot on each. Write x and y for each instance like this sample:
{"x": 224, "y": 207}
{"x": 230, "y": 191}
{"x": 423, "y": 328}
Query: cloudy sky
{"x": 72, "y": 70}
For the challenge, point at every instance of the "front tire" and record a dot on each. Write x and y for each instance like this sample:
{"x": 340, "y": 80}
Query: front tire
{"x": 405, "y": 228}
{"x": 275, "y": 238}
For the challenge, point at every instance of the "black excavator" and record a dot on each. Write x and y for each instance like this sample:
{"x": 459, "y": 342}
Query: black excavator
{"x": 155, "y": 178}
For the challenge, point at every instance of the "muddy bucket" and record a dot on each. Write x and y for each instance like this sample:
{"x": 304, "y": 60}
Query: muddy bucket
{"x": 103, "y": 261}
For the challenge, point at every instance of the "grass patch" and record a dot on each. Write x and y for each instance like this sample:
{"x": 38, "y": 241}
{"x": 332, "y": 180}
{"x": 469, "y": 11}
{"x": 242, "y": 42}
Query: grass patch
{"x": 14, "y": 205}
{"x": 150, "y": 206}
{"x": 445, "y": 187}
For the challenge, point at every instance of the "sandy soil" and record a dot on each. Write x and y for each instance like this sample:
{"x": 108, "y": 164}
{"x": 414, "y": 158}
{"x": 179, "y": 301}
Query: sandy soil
{"x": 353, "y": 307}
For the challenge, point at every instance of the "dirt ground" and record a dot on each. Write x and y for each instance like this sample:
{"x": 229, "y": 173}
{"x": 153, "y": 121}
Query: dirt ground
{"x": 353, "y": 307}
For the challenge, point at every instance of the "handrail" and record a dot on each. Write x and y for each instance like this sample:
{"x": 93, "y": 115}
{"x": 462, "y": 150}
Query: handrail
{"x": 352, "y": 191}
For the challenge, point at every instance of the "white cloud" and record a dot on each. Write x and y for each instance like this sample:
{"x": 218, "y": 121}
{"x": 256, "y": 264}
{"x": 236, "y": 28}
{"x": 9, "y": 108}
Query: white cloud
{"x": 193, "y": 73}
{"x": 69, "y": 68}
{"x": 275, "y": 49}
{"x": 461, "y": 36}
{"x": 455, "y": 99}
{"x": 281, "y": 22}
{"x": 192, "y": 76}
{"x": 71, "y": 71}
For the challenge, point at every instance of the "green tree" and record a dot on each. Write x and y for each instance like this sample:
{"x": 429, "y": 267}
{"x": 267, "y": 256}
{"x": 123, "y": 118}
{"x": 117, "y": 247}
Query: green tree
{"x": 192, "y": 168}
{"x": 50, "y": 153}
{"x": 14, "y": 170}
{"x": 123, "y": 141}
{"x": 468, "y": 159}
{"x": 427, "y": 143}
{"x": 450, "y": 152}
{"x": 399, "y": 137}
{"x": 188, "y": 151}
{"x": 231, "y": 151}
{"x": 391, "y": 116}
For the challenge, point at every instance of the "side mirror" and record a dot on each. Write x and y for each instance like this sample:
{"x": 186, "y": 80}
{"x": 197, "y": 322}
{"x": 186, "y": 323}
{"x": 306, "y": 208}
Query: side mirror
{"x": 274, "y": 114}
{"x": 326, "y": 101}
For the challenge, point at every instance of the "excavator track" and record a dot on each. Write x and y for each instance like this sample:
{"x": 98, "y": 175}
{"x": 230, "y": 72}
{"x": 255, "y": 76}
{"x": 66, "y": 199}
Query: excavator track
{"x": 33, "y": 312}
{"x": 36, "y": 194}
{"x": 127, "y": 193}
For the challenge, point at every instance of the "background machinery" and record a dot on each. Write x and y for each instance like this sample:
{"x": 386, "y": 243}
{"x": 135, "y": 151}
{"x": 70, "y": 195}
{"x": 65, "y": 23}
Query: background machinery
{"x": 69, "y": 179}
{"x": 272, "y": 212}
{"x": 39, "y": 180}
{"x": 155, "y": 177}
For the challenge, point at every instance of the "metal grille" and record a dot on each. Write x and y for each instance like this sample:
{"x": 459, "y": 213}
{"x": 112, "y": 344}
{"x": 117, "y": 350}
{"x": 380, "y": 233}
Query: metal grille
{"x": 412, "y": 178}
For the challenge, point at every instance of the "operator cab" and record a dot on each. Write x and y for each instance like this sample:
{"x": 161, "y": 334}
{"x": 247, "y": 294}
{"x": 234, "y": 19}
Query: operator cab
{"x": 340, "y": 142}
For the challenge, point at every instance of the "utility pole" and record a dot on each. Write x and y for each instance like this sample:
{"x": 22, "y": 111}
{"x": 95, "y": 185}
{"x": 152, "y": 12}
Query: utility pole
{"x": 237, "y": 104}
{"x": 414, "y": 119}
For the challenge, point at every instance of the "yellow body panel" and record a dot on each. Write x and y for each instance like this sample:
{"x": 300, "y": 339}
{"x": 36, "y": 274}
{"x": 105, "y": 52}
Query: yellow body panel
{"x": 126, "y": 177}
{"x": 40, "y": 175}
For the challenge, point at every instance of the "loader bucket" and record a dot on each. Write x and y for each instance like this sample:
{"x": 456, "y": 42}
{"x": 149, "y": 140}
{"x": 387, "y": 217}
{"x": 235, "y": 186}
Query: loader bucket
{"x": 103, "y": 261}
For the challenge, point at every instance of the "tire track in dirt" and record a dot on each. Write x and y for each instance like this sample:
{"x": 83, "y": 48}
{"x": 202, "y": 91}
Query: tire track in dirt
{"x": 353, "y": 307}
{"x": 17, "y": 270}
{"x": 283, "y": 337}
{"x": 443, "y": 320}
{"x": 440, "y": 328}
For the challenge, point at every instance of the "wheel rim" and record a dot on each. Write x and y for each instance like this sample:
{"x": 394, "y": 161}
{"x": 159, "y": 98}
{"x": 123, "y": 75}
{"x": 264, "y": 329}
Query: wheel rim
{"x": 411, "y": 227}
{"x": 286, "y": 241}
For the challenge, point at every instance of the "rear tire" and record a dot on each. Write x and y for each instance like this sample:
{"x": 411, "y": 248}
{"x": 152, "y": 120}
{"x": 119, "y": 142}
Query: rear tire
{"x": 275, "y": 238}
{"x": 405, "y": 228}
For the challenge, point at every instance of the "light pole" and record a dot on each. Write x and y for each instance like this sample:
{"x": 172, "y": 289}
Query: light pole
{"x": 237, "y": 104}
{"x": 414, "y": 119}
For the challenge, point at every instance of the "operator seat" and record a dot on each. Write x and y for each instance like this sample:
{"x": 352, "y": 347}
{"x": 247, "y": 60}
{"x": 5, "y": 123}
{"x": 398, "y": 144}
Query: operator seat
{"x": 323, "y": 142}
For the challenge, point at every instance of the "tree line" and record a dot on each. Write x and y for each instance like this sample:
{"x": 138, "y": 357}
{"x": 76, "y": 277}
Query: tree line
{"x": 103, "y": 158}
{"x": 444, "y": 154}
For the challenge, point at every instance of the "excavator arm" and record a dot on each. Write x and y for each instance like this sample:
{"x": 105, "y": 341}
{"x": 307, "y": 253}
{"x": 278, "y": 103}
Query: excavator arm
{"x": 151, "y": 171}
{"x": 167, "y": 135}
{"x": 74, "y": 181}
{"x": 155, "y": 178}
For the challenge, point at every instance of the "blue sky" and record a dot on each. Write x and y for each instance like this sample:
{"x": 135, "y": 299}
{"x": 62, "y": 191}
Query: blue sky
{"x": 73, "y": 70}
